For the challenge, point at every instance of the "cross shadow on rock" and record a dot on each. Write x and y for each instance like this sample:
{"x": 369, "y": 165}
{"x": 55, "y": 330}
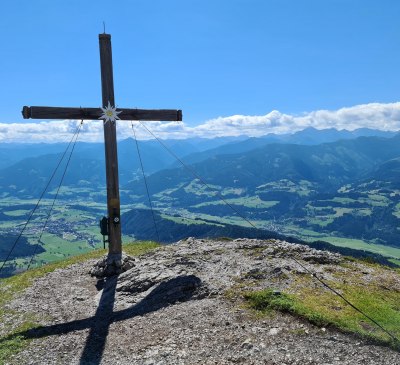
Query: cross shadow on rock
{"x": 177, "y": 289}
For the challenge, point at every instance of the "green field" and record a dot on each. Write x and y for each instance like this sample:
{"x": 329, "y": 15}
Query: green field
{"x": 73, "y": 225}
{"x": 188, "y": 221}
{"x": 362, "y": 245}
{"x": 69, "y": 231}
{"x": 303, "y": 188}
{"x": 17, "y": 213}
{"x": 248, "y": 202}
{"x": 356, "y": 244}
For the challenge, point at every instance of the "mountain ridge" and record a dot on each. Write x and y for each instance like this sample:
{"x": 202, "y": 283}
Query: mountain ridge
{"x": 341, "y": 192}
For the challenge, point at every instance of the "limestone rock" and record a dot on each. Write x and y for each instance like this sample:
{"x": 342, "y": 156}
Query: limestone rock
{"x": 111, "y": 265}
{"x": 180, "y": 305}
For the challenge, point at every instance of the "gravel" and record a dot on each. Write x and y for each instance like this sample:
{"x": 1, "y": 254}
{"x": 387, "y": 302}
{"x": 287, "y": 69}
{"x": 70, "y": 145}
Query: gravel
{"x": 172, "y": 307}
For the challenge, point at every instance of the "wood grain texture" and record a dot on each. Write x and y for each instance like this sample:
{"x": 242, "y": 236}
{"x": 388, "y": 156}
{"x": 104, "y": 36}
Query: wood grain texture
{"x": 110, "y": 142}
{"x": 48, "y": 112}
{"x": 107, "y": 79}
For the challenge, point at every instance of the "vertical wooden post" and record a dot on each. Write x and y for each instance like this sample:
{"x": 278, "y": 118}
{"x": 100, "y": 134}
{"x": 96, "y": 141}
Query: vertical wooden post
{"x": 110, "y": 144}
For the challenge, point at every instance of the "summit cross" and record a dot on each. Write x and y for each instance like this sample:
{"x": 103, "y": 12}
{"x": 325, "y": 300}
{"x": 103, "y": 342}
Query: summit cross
{"x": 109, "y": 113}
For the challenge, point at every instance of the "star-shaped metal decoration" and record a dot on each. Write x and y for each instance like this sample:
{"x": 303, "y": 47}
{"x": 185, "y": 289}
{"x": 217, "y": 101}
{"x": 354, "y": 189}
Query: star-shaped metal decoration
{"x": 110, "y": 113}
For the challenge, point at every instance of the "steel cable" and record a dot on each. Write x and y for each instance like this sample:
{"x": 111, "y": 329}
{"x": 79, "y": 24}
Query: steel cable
{"x": 38, "y": 202}
{"x": 55, "y": 197}
{"x": 145, "y": 183}
{"x": 295, "y": 260}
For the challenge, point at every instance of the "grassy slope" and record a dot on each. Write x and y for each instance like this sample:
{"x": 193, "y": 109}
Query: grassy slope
{"x": 12, "y": 286}
{"x": 376, "y": 297}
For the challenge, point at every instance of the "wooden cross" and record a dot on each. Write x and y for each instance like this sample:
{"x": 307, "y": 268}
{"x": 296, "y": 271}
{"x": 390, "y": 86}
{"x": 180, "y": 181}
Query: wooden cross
{"x": 108, "y": 113}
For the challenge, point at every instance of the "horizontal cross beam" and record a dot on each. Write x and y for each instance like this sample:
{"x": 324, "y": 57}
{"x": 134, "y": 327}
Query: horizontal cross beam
{"x": 47, "y": 112}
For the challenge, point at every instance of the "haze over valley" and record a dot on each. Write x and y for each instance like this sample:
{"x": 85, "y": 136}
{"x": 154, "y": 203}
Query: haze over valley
{"x": 337, "y": 186}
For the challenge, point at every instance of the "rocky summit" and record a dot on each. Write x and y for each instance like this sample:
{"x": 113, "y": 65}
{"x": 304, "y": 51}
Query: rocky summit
{"x": 185, "y": 304}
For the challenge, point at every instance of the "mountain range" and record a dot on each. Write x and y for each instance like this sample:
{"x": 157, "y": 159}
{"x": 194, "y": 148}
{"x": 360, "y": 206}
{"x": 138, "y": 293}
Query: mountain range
{"x": 37, "y": 161}
{"x": 347, "y": 186}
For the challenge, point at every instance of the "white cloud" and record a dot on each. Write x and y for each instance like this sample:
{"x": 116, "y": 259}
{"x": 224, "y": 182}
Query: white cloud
{"x": 374, "y": 115}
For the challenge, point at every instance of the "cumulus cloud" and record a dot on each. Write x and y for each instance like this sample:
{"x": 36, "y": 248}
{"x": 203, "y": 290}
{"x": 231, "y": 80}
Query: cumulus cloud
{"x": 374, "y": 115}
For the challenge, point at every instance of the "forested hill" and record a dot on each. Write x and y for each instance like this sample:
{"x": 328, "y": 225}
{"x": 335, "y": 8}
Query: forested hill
{"x": 329, "y": 164}
{"x": 144, "y": 224}
{"x": 348, "y": 188}
{"x": 24, "y": 168}
{"x": 346, "y": 192}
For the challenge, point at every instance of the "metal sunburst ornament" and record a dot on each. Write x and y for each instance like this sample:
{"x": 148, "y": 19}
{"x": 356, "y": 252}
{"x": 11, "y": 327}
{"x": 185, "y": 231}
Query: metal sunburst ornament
{"x": 110, "y": 114}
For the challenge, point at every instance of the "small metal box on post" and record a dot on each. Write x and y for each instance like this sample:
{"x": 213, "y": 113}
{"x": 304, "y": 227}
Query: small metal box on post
{"x": 104, "y": 230}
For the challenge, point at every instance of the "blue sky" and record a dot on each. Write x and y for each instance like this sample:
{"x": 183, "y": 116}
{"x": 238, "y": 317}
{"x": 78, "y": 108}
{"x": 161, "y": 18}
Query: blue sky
{"x": 212, "y": 59}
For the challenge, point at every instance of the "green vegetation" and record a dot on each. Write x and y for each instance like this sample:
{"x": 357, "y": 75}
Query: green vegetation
{"x": 197, "y": 188}
{"x": 323, "y": 308}
{"x": 343, "y": 200}
{"x": 188, "y": 221}
{"x": 378, "y": 200}
{"x": 303, "y": 187}
{"x": 346, "y": 193}
{"x": 362, "y": 245}
{"x": 15, "y": 343}
{"x": 322, "y": 222}
{"x": 11, "y": 286}
{"x": 339, "y": 212}
{"x": 357, "y": 244}
{"x": 17, "y": 213}
{"x": 267, "y": 300}
{"x": 248, "y": 202}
